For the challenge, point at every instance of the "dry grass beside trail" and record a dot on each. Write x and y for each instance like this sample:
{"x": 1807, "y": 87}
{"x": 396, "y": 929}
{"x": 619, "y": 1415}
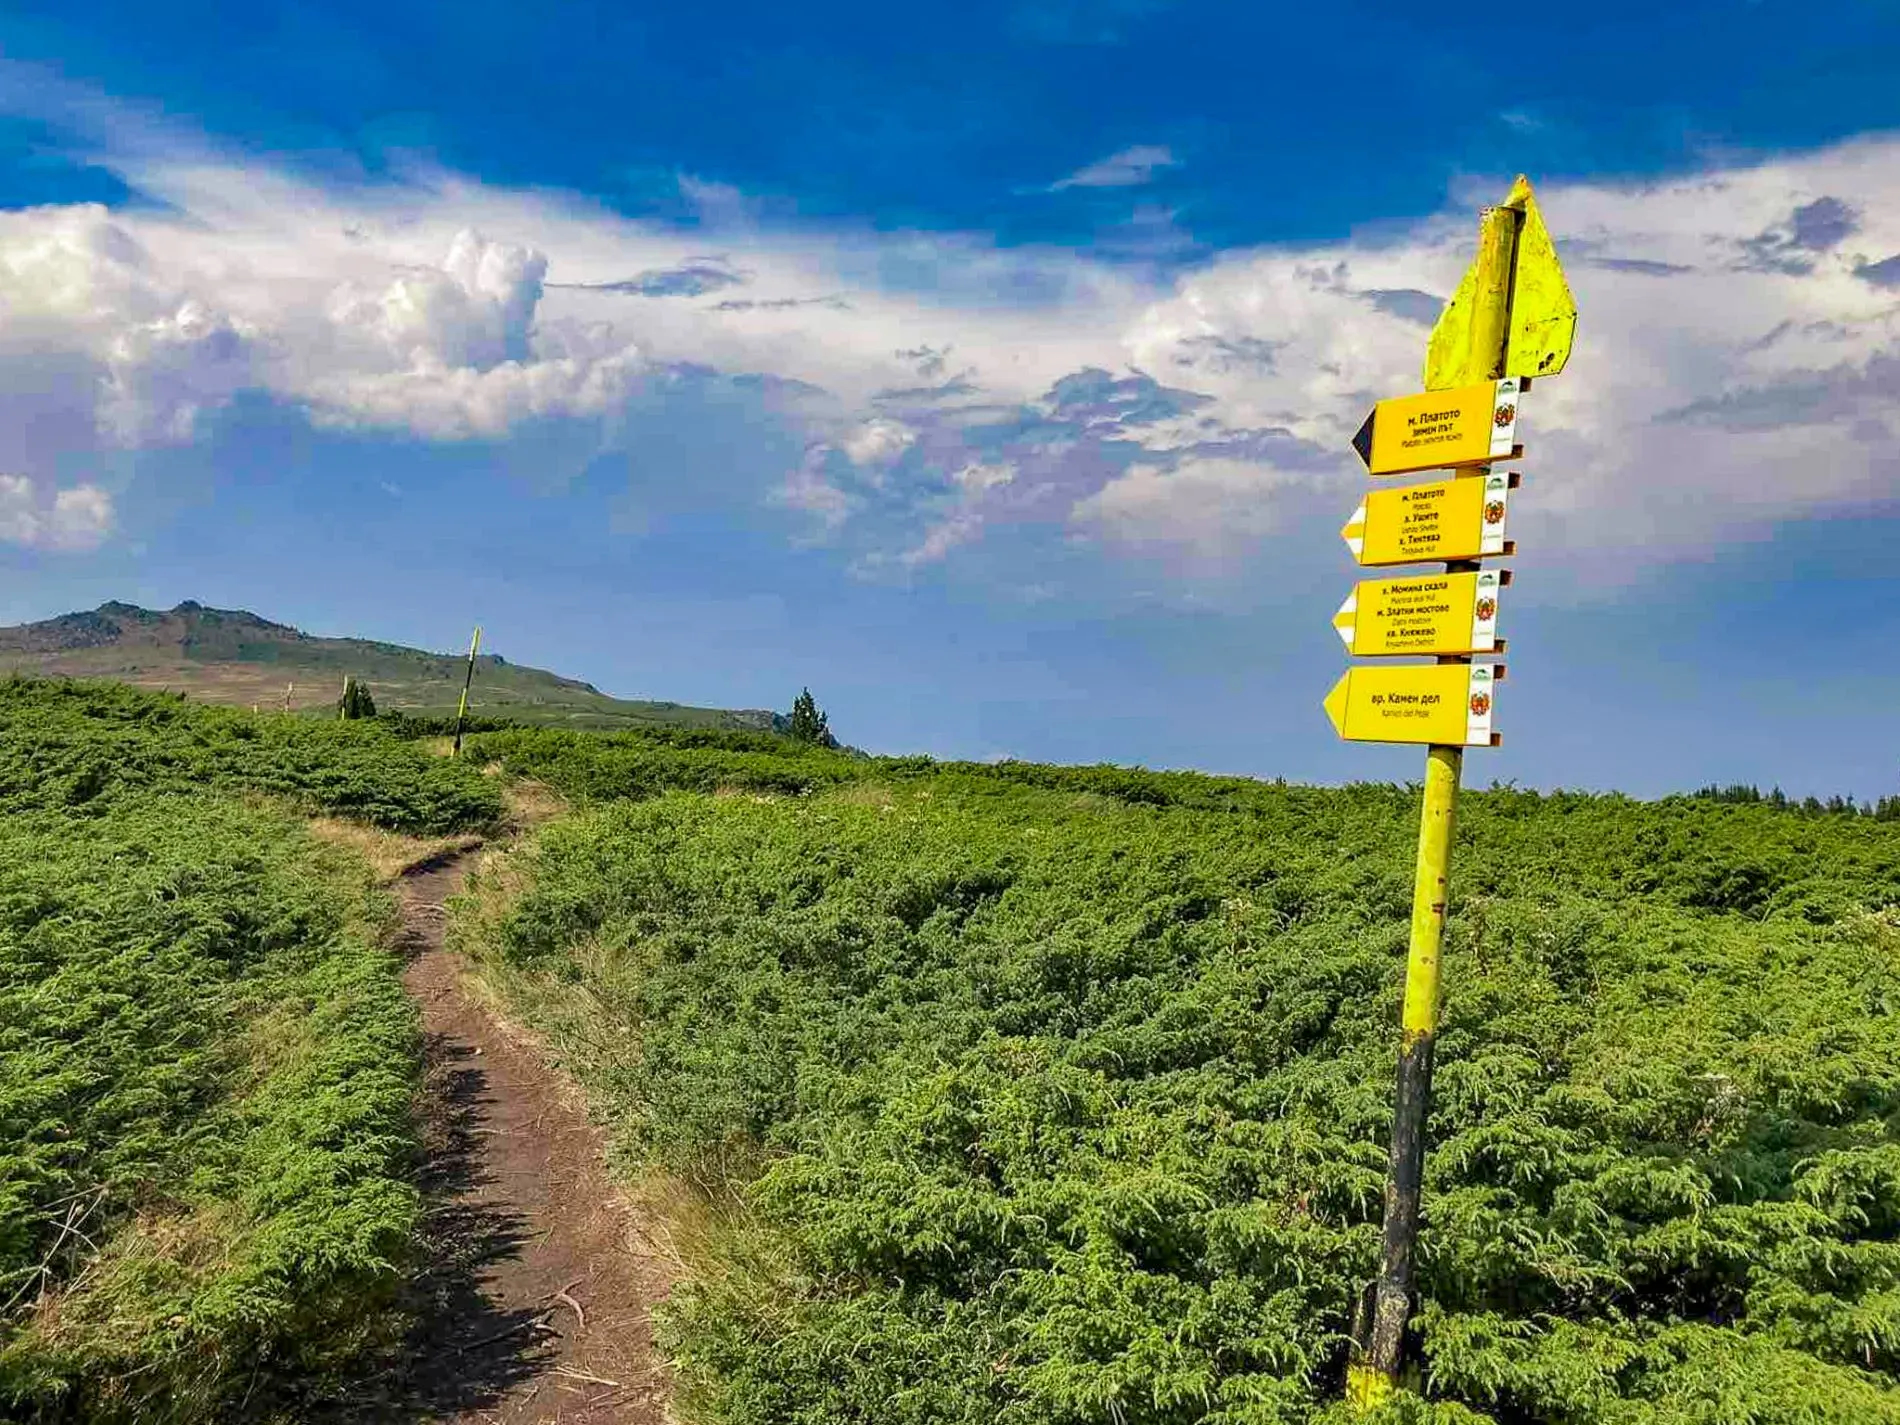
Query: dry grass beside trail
{"x": 389, "y": 854}
{"x": 531, "y": 803}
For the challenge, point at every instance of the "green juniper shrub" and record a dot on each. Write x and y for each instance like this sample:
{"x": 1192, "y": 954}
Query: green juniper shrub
{"x": 71, "y": 744}
{"x": 207, "y": 1059}
{"x": 1061, "y": 1095}
{"x": 206, "y": 1067}
{"x": 356, "y": 701}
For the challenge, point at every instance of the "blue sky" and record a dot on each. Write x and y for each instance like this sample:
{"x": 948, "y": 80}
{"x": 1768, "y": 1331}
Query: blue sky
{"x": 989, "y": 369}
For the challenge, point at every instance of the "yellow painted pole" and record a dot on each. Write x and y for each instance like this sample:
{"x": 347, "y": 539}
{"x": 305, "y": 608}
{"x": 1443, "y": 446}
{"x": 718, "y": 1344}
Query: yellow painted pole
{"x": 1378, "y": 1351}
{"x": 1443, "y": 765}
{"x": 461, "y": 711}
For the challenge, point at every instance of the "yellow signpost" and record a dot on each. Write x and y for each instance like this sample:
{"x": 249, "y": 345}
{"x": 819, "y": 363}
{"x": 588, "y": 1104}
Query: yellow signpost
{"x": 1441, "y": 704}
{"x": 1511, "y": 320}
{"x": 1440, "y": 519}
{"x": 461, "y": 710}
{"x": 1438, "y": 430}
{"x": 1436, "y": 613}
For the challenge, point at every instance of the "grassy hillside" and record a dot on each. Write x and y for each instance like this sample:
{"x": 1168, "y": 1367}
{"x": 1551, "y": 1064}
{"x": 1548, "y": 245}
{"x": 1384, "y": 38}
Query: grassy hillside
{"x": 236, "y": 658}
{"x": 1025, "y": 1094}
{"x": 207, "y": 1059}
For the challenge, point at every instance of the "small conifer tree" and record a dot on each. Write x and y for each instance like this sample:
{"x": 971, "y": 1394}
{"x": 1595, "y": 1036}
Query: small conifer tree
{"x": 355, "y": 702}
{"x": 809, "y": 724}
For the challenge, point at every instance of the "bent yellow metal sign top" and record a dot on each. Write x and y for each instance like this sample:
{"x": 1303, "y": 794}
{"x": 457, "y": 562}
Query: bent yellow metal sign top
{"x": 1462, "y": 518}
{"x": 1448, "y": 704}
{"x": 1431, "y": 613}
{"x": 1467, "y": 425}
{"x": 1543, "y": 313}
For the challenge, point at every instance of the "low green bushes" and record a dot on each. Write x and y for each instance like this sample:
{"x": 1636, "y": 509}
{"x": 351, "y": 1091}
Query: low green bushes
{"x": 1049, "y": 1096}
{"x": 68, "y": 745}
{"x": 605, "y": 766}
{"x": 206, "y": 1069}
{"x": 207, "y": 1060}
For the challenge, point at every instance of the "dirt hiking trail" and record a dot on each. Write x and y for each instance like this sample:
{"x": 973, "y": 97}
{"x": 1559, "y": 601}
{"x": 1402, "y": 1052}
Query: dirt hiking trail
{"x": 536, "y": 1304}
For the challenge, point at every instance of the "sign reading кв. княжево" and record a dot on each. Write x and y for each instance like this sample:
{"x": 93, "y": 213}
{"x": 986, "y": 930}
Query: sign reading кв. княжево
{"x": 1431, "y": 613}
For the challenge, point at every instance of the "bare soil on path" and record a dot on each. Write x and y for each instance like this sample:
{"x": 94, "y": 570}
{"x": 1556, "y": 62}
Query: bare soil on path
{"x": 535, "y": 1304}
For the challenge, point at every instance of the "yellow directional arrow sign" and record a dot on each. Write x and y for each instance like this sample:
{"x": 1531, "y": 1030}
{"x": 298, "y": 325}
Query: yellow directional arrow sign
{"x": 1467, "y": 425}
{"x": 1435, "y": 613}
{"x": 1462, "y": 518}
{"x": 1448, "y": 704}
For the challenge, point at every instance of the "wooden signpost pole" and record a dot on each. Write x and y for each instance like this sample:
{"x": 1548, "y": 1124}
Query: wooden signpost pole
{"x": 1379, "y": 1336}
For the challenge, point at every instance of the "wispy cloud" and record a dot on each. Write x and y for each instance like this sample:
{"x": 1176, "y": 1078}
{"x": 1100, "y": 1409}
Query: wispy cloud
{"x": 1130, "y": 168}
{"x": 1647, "y": 266}
{"x": 1884, "y": 273}
{"x": 693, "y": 278}
{"x": 1205, "y": 512}
{"x": 1793, "y": 245}
{"x": 780, "y": 304}
{"x": 1408, "y": 303}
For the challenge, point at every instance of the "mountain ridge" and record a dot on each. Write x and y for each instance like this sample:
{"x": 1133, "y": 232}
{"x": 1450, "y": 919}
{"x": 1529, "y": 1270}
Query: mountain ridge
{"x": 240, "y": 657}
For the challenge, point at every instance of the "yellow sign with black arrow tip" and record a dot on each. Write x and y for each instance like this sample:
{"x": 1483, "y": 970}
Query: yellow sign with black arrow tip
{"x": 1437, "y": 430}
{"x": 1428, "y": 613}
{"x": 1461, "y": 518}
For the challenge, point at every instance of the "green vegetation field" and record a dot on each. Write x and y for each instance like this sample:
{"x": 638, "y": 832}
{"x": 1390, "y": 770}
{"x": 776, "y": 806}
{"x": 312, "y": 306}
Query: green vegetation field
{"x": 1043, "y": 1096}
{"x": 1005, "y": 1093}
{"x": 207, "y": 1060}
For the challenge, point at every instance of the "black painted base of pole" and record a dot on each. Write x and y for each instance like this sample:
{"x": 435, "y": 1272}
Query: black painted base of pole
{"x": 1386, "y": 1305}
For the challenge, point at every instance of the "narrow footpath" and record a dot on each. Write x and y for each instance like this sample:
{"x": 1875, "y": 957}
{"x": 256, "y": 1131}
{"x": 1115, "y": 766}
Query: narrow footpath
{"x": 536, "y": 1305}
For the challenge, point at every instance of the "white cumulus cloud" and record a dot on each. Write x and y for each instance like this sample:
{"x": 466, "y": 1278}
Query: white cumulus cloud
{"x": 1202, "y": 512}
{"x": 1738, "y": 364}
{"x": 475, "y": 310}
{"x": 72, "y": 520}
{"x": 877, "y": 442}
{"x": 161, "y": 374}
